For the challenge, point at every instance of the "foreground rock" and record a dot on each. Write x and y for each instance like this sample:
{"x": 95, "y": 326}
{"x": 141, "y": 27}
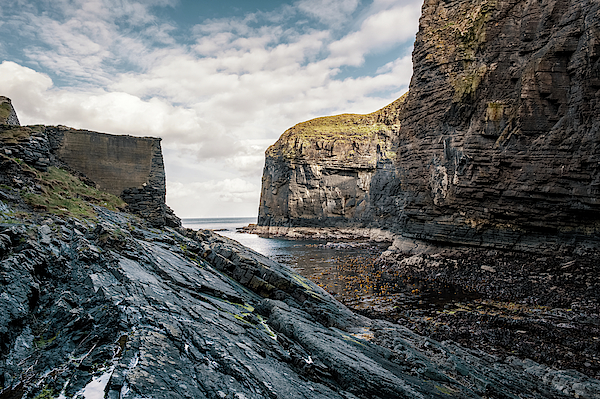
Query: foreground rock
{"x": 495, "y": 145}
{"x": 139, "y": 312}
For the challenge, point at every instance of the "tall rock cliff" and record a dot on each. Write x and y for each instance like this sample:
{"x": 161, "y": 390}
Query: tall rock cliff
{"x": 497, "y": 143}
{"x": 319, "y": 172}
{"x": 128, "y": 167}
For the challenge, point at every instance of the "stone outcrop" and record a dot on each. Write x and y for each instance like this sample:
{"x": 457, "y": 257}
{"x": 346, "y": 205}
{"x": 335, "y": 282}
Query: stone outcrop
{"x": 498, "y": 141}
{"x": 128, "y": 167}
{"x": 8, "y": 116}
{"x": 132, "y": 311}
{"x": 319, "y": 172}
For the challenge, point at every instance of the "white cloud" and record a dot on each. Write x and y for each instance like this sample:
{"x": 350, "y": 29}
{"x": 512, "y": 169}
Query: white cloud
{"x": 384, "y": 29}
{"x": 219, "y": 100}
{"x": 213, "y": 198}
{"x": 26, "y": 88}
{"x": 331, "y": 12}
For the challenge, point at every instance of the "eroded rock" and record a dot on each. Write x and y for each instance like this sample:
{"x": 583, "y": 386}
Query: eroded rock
{"x": 495, "y": 145}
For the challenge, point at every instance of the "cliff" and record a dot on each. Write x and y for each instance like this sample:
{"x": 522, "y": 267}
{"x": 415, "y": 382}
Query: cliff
{"x": 8, "y": 116}
{"x": 497, "y": 143}
{"x": 127, "y": 167}
{"x": 319, "y": 172}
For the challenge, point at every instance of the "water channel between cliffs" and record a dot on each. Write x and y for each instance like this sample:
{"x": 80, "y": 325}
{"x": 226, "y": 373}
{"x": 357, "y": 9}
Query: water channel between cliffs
{"x": 505, "y": 322}
{"x": 345, "y": 269}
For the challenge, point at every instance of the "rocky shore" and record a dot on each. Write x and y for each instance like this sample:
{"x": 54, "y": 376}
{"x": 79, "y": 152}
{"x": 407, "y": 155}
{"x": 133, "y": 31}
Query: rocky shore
{"x": 501, "y": 302}
{"x": 143, "y": 312}
{"x": 320, "y": 233}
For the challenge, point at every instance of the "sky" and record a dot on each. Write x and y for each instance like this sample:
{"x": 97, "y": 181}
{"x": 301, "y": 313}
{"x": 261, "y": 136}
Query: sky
{"x": 218, "y": 81}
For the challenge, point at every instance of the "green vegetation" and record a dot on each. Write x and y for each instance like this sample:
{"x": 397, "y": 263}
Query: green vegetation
{"x": 345, "y": 131}
{"x": 64, "y": 194}
{"x": 4, "y": 111}
{"x": 472, "y": 28}
{"x": 112, "y": 237}
{"x": 41, "y": 343}
{"x": 444, "y": 389}
{"x": 495, "y": 111}
{"x": 346, "y": 126}
{"x": 14, "y": 134}
{"x": 45, "y": 393}
{"x": 465, "y": 85}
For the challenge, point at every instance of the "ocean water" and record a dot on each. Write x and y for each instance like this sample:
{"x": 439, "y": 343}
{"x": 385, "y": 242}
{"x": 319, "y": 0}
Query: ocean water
{"x": 307, "y": 257}
{"x": 227, "y": 227}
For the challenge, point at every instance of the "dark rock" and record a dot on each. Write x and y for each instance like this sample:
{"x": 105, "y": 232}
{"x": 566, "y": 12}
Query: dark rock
{"x": 153, "y": 319}
{"x": 496, "y": 143}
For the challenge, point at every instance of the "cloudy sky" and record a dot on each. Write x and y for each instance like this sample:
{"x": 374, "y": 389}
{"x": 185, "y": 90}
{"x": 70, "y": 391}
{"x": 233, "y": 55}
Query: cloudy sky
{"x": 219, "y": 81}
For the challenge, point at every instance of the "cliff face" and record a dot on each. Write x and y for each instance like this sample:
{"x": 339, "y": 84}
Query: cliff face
{"x": 319, "y": 172}
{"x": 498, "y": 141}
{"x": 127, "y": 167}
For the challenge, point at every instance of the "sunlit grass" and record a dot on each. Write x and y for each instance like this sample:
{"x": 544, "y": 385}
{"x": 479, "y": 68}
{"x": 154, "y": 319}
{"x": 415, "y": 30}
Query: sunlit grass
{"x": 66, "y": 195}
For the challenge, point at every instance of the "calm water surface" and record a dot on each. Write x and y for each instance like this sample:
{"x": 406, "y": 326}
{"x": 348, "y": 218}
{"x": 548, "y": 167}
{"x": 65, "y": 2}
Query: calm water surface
{"x": 308, "y": 257}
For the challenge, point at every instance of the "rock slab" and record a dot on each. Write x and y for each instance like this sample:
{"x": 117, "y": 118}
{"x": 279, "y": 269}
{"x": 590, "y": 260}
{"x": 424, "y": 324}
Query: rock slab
{"x": 140, "y": 312}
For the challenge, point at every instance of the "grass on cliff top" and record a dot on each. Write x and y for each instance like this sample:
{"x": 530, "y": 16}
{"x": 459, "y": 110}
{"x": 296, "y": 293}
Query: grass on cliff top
{"x": 344, "y": 127}
{"x": 347, "y": 125}
{"x": 339, "y": 126}
{"x": 65, "y": 195}
{"x": 10, "y": 134}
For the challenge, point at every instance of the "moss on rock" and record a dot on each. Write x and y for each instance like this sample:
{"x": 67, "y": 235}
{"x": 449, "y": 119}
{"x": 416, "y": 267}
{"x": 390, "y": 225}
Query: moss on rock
{"x": 64, "y": 194}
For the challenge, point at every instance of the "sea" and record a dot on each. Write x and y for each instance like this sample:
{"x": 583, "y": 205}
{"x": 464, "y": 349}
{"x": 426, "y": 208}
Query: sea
{"x": 307, "y": 257}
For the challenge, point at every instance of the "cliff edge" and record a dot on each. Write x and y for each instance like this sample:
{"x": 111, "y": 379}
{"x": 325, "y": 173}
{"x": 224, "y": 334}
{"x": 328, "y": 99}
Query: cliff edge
{"x": 496, "y": 144}
{"x": 130, "y": 168}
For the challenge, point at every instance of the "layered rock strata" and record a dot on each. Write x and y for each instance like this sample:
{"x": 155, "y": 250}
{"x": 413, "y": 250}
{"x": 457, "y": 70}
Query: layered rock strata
{"x": 498, "y": 141}
{"x": 319, "y": 172}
